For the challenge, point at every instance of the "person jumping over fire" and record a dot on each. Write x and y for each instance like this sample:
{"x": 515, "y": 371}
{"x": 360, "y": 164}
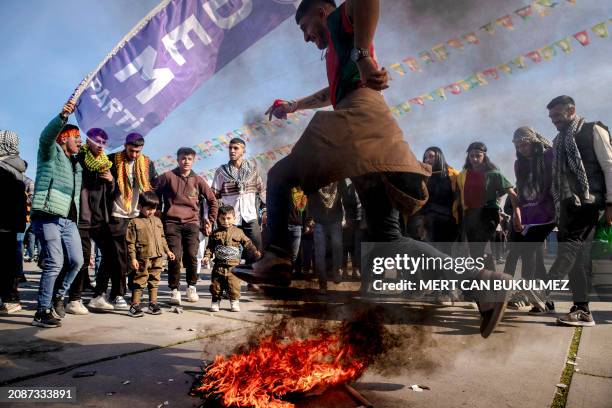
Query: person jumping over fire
{"x": 359, "y": 140}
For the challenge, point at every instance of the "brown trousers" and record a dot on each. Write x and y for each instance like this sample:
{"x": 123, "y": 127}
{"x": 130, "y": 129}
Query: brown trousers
{"x": 221, "y": 279}
{"x": 359, "y": 137}
{"x": 149, "y": 275}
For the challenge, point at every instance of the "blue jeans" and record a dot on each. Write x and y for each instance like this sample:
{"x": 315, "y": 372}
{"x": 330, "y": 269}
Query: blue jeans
{"x": 19, "y": 253}
{"x": 321, "y": 233}
{"x": 97, "y": 262}
{"x": 60, "y": 248}
{"x": 31, "y": 245}
{"x": 295, "y": 236}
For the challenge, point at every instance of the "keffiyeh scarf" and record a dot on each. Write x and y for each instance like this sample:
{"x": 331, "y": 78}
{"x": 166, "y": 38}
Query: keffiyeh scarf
{"x": 568, "y": 160}
{"x": 224, "y": 253}
{"x": 96, "y": 164}
{"x": 9, "y": 143}
{"x": 240, "y": 176}
{"x": 531, "y": 171}
{"x": 328, "y": 194}
{"x": 140, "y": 177}
{"x": 299, "y": 199}
{"x": 529, "y": 134}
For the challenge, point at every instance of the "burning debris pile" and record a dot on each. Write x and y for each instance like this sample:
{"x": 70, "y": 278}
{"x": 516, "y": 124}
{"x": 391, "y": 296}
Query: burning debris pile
{"x": 278, "y": 370}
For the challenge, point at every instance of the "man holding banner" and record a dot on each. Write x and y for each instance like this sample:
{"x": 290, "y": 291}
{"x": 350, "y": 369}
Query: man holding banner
{"x": 173, "y": 50}
{"x": 359, "y": 139}
{"x": 55, "y": 213}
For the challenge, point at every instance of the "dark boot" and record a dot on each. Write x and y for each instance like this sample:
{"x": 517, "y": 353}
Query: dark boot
{"x": 273, "y": 268}
{"x": 58, "y": 310}
{"x": 492, "y": 305}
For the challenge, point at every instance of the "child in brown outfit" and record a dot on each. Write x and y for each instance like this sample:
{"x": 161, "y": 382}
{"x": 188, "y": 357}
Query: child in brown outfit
{"x": 146, "y": 247}
{"x": 225, "y": 244}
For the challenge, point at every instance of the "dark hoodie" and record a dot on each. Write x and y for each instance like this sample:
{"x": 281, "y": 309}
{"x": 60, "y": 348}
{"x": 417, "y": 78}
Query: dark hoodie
{"x": 13, "y": 204}
{"x": 97, "y": 196}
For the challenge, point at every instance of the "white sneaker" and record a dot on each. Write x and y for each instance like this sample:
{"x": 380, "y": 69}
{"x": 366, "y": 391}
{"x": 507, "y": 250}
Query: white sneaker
{"x": 192, "y": 294}
{"x": 175, "y": 297}
{"x": 100, "y": 304}
{"x": 10, "y": 307}
{"x": 234, "y": 305}
{"x": 76, "y": 307}
{"x": 121, "y": 304}
{"x": 214, "y": 306}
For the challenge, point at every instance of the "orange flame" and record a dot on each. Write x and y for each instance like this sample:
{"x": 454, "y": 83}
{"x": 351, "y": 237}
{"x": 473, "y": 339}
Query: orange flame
{"x": 262, "y": 376}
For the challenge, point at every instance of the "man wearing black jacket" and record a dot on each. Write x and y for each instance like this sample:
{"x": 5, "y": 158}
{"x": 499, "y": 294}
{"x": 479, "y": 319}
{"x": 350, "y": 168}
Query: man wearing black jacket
{"x": 12, "y": 217}
{"x": 134, "y": 173}
{"x": 94, "y": 215}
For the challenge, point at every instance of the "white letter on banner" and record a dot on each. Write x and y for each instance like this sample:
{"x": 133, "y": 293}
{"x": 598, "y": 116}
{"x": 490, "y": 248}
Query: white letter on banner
{"x": 145, "y": 62}
{"x": 212, "y": 6}
{"x": 96, "y": 85}
{"x": 113, "y": 107}
{"x": 181, "y": 34}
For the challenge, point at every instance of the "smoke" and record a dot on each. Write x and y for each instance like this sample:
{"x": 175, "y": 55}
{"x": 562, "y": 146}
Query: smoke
{"x": 426, "y": 24}
{"x": 388, "y": 342}
{"x": 277, "y": 134}
{"x": 446, "y": 12}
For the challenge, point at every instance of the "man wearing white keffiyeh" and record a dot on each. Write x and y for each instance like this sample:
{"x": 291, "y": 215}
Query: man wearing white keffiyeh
{"x": 239, "y": 185}
{"x": 582, "y": 187}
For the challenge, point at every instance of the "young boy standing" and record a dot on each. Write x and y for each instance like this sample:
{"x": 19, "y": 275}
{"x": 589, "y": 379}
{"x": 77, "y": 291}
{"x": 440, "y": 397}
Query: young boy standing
{"x": 225, "y": 245}
{"x": 146, "y": 247}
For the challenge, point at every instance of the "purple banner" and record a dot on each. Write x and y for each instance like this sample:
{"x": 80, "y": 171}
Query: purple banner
{"x": 182, "y": 46}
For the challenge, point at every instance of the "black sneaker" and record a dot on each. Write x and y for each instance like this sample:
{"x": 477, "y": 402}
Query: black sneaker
{"x": 577, "y": 317}
{"x": 45, "y": 319}
{"x": 58, "y": 310}
{"x": 135, "y": 311}
{"x": 154, "y": 309}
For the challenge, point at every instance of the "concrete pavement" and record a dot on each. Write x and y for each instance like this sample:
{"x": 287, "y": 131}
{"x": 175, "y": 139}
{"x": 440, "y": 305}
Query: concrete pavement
{"x": 142, "y": 362}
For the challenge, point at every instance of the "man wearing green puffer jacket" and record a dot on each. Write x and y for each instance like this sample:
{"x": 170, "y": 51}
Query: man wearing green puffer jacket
{"x": 55, "y": 208}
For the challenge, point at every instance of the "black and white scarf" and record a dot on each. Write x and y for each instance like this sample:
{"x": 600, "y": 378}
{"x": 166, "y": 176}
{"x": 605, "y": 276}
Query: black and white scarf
{"x": 328, "y": 194}
{"x": 239, "y": 176}
{"x": 568, "y": 160}
{"x": 9, "y": 143}
{"x": 224, "y": 253}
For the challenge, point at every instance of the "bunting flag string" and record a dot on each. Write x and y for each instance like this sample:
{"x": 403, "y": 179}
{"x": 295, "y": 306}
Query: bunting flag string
{"x": 482, "y": 78}
{"x": 263, "y": 161}
{"x": 258, "y": 129}
{"x": 264, "y": 128}
{"x": 441, "y": 51}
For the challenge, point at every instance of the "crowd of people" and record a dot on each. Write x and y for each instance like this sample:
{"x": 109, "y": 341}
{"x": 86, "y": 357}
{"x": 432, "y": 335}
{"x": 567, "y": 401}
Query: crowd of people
{"x": 320, "y": 202}
{"x": 82, "y": 196}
